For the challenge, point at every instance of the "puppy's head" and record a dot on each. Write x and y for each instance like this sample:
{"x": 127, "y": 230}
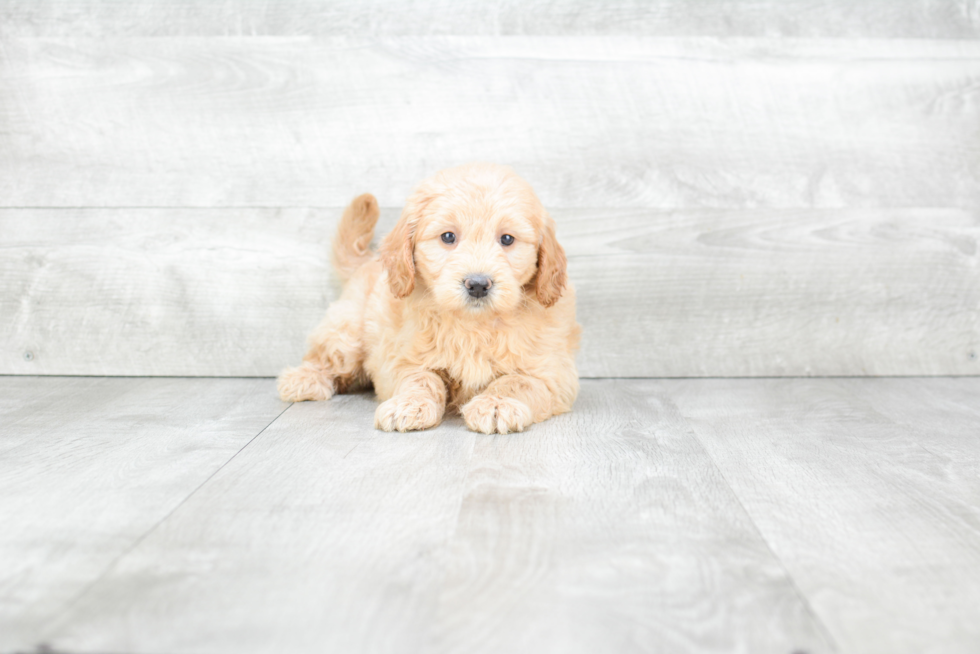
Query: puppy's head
{"x": 475, "y": 238}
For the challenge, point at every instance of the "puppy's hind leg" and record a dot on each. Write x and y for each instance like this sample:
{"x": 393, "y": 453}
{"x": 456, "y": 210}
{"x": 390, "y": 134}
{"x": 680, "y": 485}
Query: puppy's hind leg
{"x": 306, "y": 381}
{"x": 332, "y": 364}
{"x": 334, "y": 361}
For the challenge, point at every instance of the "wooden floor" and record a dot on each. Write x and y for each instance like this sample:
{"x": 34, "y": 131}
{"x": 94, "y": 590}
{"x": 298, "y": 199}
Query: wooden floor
{"x": 176, "y": 515}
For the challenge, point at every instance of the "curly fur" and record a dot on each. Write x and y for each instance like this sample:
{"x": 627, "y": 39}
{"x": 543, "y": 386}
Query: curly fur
{"x": 405, "y": 323}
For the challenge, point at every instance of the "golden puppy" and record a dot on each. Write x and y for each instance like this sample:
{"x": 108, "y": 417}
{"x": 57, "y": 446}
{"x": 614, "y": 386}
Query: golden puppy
{"x": 466, "y": 306}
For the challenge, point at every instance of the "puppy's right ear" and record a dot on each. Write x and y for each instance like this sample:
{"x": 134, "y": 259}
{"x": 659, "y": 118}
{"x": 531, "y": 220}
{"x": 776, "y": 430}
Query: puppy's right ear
{"x": 552, "y": 273}
{"x": 398, "y": 247}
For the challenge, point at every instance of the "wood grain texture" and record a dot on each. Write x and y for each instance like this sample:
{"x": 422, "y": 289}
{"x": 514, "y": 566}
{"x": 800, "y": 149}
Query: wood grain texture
{"x": 777, "y": 293}
{"x": 661, "y": 293}
{"x": 322, "y": 536}
{"x": 610, "y": 530}
{"x": 743, "y": 515}
{"x": 162, "y": 292}
{"x": 875, "y": 515}
{"x": 608, "y": 526}
{"x": 591, "y": 121}
{"x": 784, "y": 18}
{"x": 22, "y": 405}
{"x": 943, "y": 417}
{"x": 89, "y": 466}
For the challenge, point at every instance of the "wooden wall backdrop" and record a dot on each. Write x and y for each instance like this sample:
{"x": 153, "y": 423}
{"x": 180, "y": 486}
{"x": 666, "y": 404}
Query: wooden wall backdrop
{"x": 744, "y": 187}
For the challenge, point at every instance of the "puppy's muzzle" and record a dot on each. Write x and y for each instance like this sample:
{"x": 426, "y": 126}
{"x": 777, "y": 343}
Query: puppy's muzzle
{"x": 478, "y": 285}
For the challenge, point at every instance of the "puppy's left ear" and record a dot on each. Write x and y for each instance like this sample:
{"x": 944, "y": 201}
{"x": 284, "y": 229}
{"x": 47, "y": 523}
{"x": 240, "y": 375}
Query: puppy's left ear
{"x": 398, "y": 247}
{"x": 552, "y": 266}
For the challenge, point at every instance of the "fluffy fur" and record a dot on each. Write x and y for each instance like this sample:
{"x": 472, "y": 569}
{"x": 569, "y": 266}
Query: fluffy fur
{"x": 405, "y": 322}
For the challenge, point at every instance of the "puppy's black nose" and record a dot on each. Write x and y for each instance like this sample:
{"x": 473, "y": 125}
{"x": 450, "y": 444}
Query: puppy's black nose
{"x": 477, "y": 285}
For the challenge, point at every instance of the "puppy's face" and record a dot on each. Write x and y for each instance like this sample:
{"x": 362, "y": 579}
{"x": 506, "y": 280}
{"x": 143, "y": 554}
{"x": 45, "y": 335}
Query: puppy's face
{"x": 476, "y": 251}
{"x": 475, "y": 239}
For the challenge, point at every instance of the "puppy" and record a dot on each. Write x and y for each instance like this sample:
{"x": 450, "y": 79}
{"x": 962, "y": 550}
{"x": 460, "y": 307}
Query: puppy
{"x": 466, "y": 306}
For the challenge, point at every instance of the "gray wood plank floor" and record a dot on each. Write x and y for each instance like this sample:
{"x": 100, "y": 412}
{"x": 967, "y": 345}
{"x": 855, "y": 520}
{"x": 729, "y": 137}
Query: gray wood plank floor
{"x": 791, "y": 515}
{"x": 88, "y": 466}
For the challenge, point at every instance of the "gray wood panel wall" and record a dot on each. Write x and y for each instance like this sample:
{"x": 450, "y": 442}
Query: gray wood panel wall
{"x": 744, "y": 188}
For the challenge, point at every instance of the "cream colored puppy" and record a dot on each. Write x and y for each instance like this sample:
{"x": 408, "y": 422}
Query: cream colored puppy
{"x": 466, "y": 306}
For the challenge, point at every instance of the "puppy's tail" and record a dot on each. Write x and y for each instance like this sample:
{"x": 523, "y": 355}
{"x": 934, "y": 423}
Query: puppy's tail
{"x": 352, "y": 245}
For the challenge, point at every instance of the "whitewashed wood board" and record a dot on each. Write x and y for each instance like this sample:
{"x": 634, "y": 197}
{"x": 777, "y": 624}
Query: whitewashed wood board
{"x": 162, "y": 292}
{"x": 877, "y": 521}
{"x": 591, "y": 121}
{"x": 234, "y": 292}
{"x": 766, "y": 18}
{"x": 775, "y": 293}
{"x": 89, "y": 466}
{"x": 608, "y": 527}
{"x": 178, "y": 292}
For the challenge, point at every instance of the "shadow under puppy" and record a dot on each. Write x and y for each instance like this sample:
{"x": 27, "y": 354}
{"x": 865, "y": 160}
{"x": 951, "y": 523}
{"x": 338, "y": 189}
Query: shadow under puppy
{"x": 467, "y": 306}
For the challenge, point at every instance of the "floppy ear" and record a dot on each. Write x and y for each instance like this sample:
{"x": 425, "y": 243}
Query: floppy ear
{"x": 398, "y": 247}
{"x": 552, "y": 267}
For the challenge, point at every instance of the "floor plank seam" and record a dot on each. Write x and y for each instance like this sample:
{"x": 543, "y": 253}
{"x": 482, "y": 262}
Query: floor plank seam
{"x": 44, "y": 649}
{"x": 789, "y": 577}
{"x": 88, "y": 588}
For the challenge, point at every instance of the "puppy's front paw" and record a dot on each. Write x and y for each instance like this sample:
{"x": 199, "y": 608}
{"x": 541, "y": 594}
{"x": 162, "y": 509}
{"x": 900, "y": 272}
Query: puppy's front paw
{"x": 491, "y": 414}
{"x": 402, "y": 413}
{"x": 305, "y": 382}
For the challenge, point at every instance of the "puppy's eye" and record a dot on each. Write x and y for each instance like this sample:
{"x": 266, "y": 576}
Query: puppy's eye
{"x": 506, "y": 239}
{"x": 449, "y": 238}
